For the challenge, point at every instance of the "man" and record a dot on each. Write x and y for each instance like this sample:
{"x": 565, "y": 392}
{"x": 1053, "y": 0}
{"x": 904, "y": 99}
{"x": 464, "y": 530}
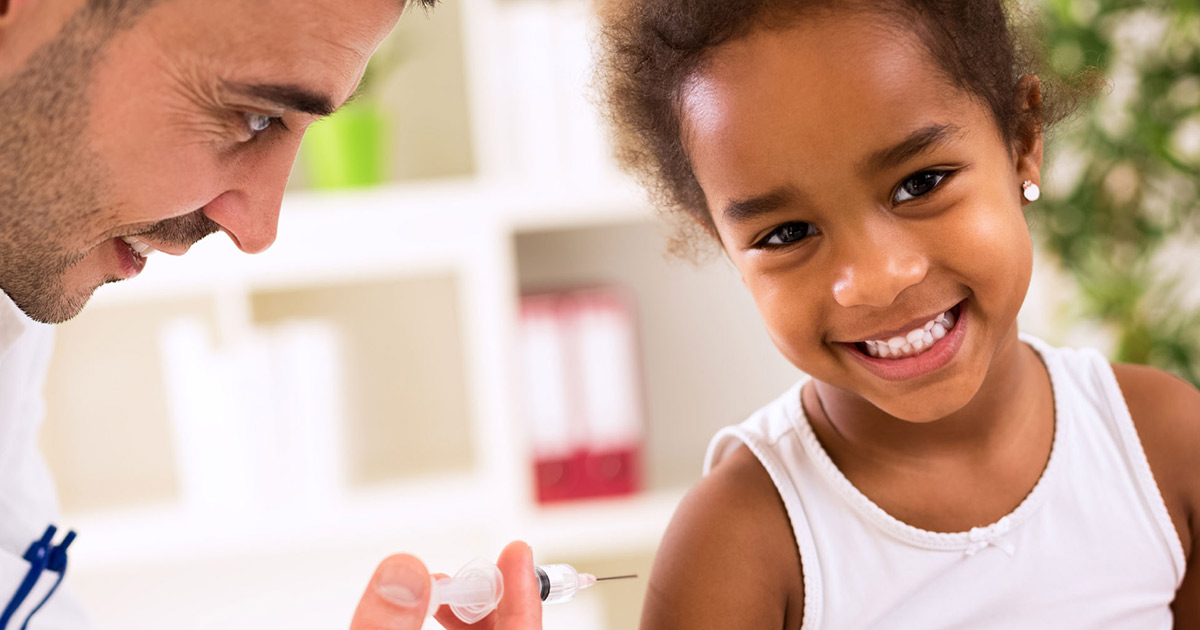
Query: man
{"x": 128, "y": 126}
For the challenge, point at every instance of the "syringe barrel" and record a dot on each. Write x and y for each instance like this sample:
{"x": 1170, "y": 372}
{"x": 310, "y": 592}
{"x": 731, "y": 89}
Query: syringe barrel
{"x": 558, "y": 582}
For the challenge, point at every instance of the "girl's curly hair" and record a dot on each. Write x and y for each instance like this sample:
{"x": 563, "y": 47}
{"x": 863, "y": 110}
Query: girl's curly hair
{"x": 650, "y": 48}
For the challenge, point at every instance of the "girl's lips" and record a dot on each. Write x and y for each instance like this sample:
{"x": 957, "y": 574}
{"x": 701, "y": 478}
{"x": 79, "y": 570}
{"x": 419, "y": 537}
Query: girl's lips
{"x": 937, "y": 356}
{"x": 132, "y": 263}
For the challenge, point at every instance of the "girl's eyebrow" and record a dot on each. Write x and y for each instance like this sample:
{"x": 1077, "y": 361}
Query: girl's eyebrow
{"x": 743, "y": 210}
{"x": 916, "y": 143}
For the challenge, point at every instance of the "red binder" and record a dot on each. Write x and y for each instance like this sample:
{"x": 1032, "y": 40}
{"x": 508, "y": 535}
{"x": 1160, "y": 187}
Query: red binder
{"x": 582, "y": 393}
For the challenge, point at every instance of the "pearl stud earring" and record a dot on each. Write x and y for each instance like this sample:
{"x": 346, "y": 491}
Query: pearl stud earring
{"x": 1031, "y": 190}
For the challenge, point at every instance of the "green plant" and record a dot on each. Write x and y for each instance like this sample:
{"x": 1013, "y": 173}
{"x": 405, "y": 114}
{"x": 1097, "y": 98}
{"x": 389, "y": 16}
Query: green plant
{"x": 1122, "y": 187}
{"x": 351, "y": 148}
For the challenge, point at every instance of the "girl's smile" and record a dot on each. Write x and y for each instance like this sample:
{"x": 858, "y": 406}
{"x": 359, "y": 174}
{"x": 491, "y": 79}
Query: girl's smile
{"x": 917, "y": 352}
{"x": 872, "y": 209}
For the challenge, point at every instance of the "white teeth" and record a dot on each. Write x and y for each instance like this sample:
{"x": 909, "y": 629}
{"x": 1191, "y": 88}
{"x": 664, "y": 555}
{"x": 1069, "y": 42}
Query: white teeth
{"x": 914, "y": 342}
{"x": 138, "y": 246}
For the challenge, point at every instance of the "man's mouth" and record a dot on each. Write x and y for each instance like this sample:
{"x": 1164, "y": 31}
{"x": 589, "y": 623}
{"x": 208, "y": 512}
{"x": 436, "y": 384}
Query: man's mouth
{"x": 914, "y": 342}
{"x": 138, "y": 247}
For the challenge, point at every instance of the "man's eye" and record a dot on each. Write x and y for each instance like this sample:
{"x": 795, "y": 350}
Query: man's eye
{"x": 789, "y": 233}
{"x": 258, "y": 123}
{"x": 916, "y": 185}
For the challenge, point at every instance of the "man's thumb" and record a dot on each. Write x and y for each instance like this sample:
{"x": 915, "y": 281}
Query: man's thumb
{"x": 397, "y": 597}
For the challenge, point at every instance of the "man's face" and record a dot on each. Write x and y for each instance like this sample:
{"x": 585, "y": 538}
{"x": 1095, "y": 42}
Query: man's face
{"x": 184, "y": 124}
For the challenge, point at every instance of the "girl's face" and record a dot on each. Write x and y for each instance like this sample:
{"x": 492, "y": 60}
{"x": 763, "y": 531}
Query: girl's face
{"x": 861, "y": 196}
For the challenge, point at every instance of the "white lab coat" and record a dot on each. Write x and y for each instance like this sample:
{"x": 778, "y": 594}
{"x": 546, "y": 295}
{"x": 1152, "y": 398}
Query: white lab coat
{"x": 27, "y": 499}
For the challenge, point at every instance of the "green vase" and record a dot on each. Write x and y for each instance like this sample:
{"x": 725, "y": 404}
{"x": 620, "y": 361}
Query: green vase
{"x": 348, "y": 149}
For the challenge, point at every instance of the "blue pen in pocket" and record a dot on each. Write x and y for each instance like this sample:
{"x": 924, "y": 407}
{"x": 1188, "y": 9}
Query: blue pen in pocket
{"x": 42, "y": 556}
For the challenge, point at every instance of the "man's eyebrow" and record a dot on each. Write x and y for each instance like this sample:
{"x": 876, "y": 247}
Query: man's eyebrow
{"x": 915, "y": 144}
{"x": 743, "y": 210}
{"x": 290, "y": 97}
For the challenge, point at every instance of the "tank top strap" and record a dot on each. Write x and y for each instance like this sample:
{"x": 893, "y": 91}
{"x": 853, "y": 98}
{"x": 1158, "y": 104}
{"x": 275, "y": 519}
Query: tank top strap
{"x": 1085, "y": 378}
{"x": 770, "y": 436}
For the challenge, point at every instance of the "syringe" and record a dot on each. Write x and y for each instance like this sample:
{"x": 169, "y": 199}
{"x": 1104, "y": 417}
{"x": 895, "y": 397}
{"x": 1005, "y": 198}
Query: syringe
{"x": 477, "y": 588}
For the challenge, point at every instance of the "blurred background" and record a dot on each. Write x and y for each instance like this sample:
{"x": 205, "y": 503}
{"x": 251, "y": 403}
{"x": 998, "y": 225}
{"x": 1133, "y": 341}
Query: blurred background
{"x": 468, "y": 331}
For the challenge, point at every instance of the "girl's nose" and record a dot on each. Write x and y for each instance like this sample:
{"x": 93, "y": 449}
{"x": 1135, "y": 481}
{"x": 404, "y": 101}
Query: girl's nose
{"x": 875, "y": 271}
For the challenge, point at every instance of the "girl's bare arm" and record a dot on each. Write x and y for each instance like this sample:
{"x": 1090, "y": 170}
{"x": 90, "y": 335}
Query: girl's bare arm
{"x": 729, "y": 559}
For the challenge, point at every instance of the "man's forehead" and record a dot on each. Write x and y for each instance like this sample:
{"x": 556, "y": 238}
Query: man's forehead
{"x": 316, "y": 43}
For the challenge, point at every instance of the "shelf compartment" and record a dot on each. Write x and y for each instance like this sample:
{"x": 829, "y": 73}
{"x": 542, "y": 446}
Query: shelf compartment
{"x": 706, "y": 357}
{"x": 404, "y": 376}
{"x": 106, "y": 435}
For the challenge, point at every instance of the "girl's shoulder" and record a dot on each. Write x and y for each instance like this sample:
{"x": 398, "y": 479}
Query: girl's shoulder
{"x": 729, "y": 558}
{"x": 1166, "y": 413}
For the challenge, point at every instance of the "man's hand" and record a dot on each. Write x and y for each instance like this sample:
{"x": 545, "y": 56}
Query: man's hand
{"x": 521, "y": 606}
{"x": 398, "y": 596}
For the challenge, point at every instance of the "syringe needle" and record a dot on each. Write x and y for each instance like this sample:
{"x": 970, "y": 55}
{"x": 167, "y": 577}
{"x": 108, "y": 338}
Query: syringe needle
{"x": 616, "y": 577}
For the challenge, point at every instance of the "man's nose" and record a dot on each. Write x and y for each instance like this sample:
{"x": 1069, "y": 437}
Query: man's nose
{"x": 249, "y": 211}
{"x": 873, "y": 271}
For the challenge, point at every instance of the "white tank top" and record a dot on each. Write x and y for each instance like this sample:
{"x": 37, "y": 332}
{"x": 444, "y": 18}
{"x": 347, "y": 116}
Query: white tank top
{"x": 1091, "y": 546}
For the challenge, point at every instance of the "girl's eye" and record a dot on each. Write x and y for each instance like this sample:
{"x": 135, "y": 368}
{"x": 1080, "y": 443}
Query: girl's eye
{"x": 917, "y": 185}
{"x": 789, "y": 233}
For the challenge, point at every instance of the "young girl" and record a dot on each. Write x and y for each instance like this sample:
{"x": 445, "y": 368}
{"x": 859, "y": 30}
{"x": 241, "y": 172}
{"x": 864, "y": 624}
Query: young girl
{"x": 864, "y": 166}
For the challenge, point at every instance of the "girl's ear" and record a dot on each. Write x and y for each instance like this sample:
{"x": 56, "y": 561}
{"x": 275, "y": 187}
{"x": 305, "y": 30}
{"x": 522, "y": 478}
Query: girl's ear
{"x": 702, "y": 225}
{"x": 1027, "y": 141}
{"x": 710, "y": 229}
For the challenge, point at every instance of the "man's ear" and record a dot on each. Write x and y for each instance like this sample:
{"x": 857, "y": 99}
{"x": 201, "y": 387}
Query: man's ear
{"x": 5, "y": 11}
{"x": 8, "y": 7}
{"x": 8, "y": 13}
{"x": 1027, "y": 141}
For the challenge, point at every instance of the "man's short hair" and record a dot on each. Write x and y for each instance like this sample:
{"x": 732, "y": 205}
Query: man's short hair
{"x": 116, "y": 15}
{"x": 120, "y": 14}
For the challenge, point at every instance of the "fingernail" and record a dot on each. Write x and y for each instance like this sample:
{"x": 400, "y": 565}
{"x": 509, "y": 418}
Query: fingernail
{"x": 402, "y": 585}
